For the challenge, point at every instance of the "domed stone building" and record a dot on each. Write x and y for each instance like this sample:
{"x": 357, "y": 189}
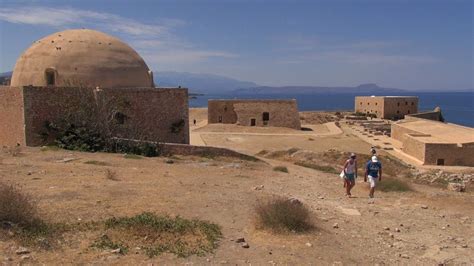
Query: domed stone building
{"x": 88, "y": 78}
{"x": 81, "y": 58}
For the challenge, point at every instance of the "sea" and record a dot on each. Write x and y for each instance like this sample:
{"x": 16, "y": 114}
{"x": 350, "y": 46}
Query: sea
{"x": 456, "y": 107}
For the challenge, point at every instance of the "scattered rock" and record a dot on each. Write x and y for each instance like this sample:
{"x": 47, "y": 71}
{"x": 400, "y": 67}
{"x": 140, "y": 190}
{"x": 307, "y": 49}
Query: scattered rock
{"x": 458, "y": 187}
{"x": 309, "y": 244}
{"x": 464, "y": 246}
{"x": 22, "y": 250}
{"x": 424, "y": 207}
{"x": 25, "y": 257}
{"x": 295, "y": 201}
{"x": 240, "y": 240}
{"x": 245, "y": 245}
{"x": 386, "y": 228}
{"x": 335, "y": 225}
{"x": 169, "y": 161}
{"x": 66, "y": 160}
{"x": 116, "y": 251}
{"x": 391, "y": 235}
{"x": 397, "y": 230}
{"x": 405, "y": 256}
{"x": 259, "y": 187}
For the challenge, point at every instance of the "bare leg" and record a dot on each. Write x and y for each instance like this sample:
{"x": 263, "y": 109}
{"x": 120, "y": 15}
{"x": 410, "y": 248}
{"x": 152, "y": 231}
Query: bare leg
{"x": 372, "y": 190}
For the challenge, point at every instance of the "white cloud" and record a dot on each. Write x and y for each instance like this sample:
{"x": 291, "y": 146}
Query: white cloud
{"x": 155, "y": 41}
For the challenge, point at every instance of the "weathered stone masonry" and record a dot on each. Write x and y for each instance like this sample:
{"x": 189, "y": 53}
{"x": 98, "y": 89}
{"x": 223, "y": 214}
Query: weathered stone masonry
{"x": 275, "y": 113}
{"x": 153, "y": 114}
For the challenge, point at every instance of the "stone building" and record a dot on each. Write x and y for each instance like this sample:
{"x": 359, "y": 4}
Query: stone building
{"x": 88, "y": 78}
{"x": 273, "y": 113}
{"x": 435, "y": 143}
{"x": 387, "y": 107}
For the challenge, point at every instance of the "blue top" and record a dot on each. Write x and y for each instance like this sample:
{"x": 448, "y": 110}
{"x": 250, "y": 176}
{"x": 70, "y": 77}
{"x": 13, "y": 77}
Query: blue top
{"x": 373, "y": 168}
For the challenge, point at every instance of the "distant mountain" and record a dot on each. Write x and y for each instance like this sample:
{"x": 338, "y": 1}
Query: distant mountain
{"x": 369, "y": 88}
{"x": 200, "y": 83}
{"x": 6, "y": 74}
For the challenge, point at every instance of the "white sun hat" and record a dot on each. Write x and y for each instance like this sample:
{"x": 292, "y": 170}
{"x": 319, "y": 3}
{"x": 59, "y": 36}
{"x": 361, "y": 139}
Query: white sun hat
{"x": 374, "y": 159}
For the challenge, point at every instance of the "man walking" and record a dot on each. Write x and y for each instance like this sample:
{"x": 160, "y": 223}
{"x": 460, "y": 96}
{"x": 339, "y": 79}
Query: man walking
{"x": 350, "y": 173}
{"x": 373, "y": 172}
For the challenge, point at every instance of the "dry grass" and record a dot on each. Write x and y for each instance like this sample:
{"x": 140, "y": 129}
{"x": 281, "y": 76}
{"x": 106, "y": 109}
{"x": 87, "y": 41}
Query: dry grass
{"x": 94, "y": 162}
{"x": 111, "y": 175}
{"x": 322, "y": 168}
{"x": 393, "y": 185}
{"x": 283, "y": 215}
{"x": 19, "y": 215}
{"x": 16, "y": 207}
{"x": 157, "y": 234}
{"x": 280, "y": 169}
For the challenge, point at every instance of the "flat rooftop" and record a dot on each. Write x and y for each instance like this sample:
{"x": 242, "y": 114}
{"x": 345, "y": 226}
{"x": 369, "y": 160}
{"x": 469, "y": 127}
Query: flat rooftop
{"x": 438, "y": 132}
{"x": 373, "y": 96}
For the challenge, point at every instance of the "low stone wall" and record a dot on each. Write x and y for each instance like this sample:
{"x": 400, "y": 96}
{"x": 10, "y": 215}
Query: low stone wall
{"x": 152, "y": 114}
{"x": 433, "y": 115}
{"x": 168, "y": 149}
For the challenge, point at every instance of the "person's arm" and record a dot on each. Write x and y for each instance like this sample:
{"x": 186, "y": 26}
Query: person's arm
{"x": 366, "y": 173}
{"x": 345, "y": 166}
{"x": 380, "y": 173}
{"x": 355, "y": 170}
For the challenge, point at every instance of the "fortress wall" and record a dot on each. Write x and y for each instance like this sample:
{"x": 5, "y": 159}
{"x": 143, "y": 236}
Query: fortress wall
{"x": 386, "y": 107}
{"x": 135, "y": 113}
{"x": 282, "y": 113}
{"x": 415, "y": 148}
{"x": 400, "y": 133}
{"x": 398, "y": 107}
{"x": 452, "y": 154}
{"x": 369, "y": 105}
{"x": 434, "y": 115}
{"x": 12, "y": 122}
{"x": 223, "y": 109}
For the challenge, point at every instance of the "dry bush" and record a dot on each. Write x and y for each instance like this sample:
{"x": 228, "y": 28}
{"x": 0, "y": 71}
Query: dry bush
{"x": 16, "y": 207}
{"x": 283, "y": 215}
{"x": 157, "y": 234}
{"x": 111, "y": 175}
{"x": 280, "y": 169}
{"x": 393, "y": 185}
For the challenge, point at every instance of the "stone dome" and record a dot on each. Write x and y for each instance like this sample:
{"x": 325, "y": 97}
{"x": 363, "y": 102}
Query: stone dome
{"x": 81, "y": 57}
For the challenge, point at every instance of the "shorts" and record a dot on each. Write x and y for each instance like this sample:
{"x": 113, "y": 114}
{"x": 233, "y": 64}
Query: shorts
{"x": 372, "y": 181}
{"x": 350, "y": 177}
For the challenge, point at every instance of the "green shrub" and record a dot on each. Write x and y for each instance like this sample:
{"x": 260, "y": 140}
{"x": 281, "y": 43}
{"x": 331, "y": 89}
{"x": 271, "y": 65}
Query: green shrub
{"x": 283, "y": 215}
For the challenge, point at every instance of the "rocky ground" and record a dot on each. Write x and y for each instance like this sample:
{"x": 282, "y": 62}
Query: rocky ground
{"x": 427, "y": 224}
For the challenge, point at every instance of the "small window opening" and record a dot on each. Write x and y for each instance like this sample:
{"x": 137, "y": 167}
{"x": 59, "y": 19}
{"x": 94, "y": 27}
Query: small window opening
{"x": 253, "y": 122}
{"x": 440, "y": 162}
{"x": 398, "y": 104}
{"x": 266, "y": 118}
{"x": 398, "y": 112}
{"x": 220, "y": 119}
{"x": 50, "y": 76}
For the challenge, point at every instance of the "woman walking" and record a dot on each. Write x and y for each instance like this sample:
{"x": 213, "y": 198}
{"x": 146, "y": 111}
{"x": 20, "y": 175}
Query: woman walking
{"x": 350, "y": 174}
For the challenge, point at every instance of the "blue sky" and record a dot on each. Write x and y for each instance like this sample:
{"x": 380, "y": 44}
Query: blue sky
{"x": 417, "y": 44}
